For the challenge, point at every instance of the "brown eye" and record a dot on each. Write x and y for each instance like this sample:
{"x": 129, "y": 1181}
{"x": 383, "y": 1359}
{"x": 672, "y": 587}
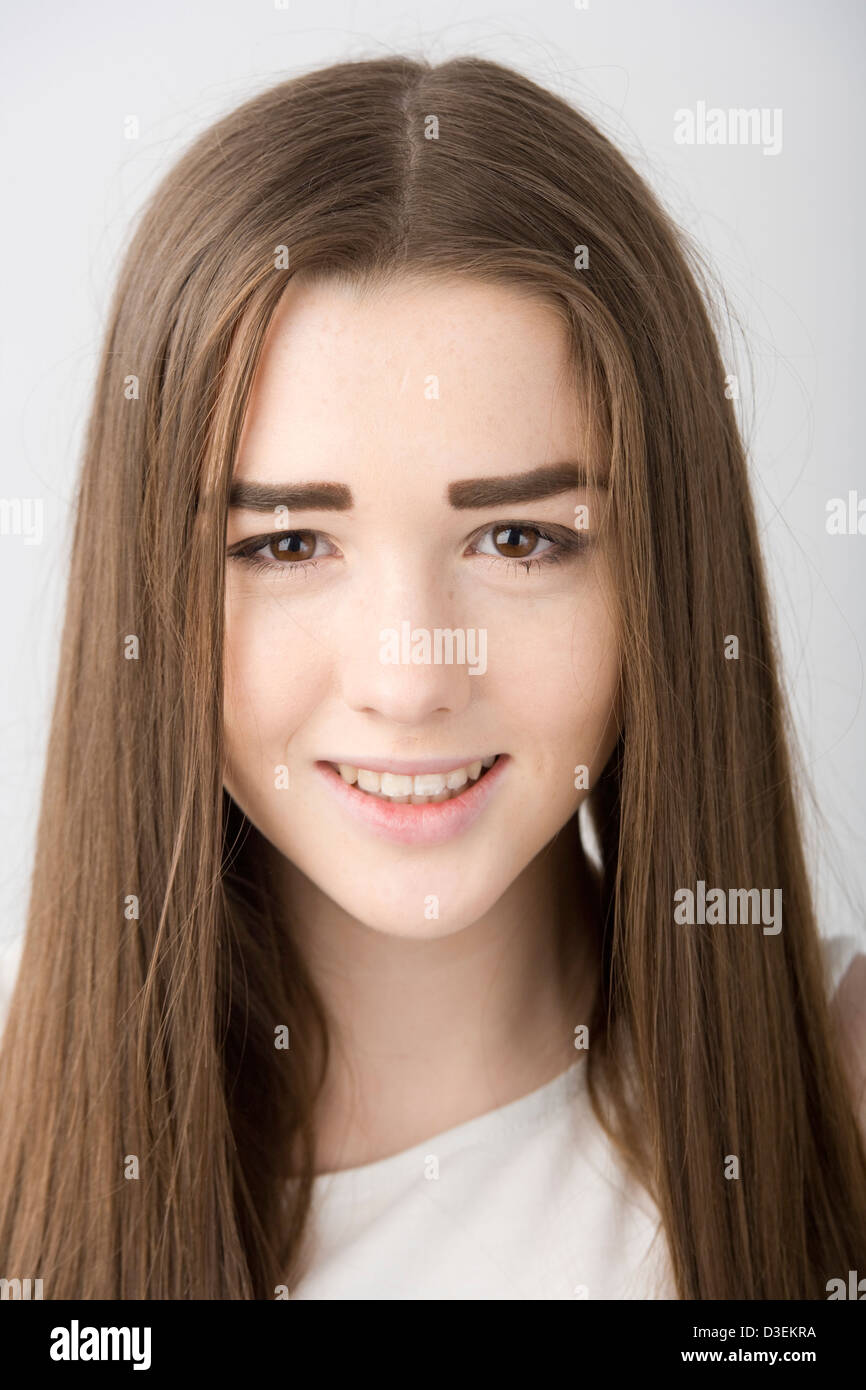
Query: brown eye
{"x": 297, "y": 545}
{"x": 507, "y": 540}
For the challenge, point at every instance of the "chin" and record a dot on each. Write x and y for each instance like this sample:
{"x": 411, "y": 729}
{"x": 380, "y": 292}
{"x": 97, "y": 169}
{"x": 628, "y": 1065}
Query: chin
{"x": 426, "y": 911}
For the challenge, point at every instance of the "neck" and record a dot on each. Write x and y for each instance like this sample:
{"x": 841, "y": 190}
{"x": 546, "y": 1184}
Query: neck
{"x": 427, "y": 1034}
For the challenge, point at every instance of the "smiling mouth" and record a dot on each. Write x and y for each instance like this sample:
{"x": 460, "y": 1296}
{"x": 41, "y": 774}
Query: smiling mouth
{"x": 420, "y": 789}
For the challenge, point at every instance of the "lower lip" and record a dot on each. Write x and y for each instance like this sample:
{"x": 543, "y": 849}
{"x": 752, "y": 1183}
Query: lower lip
{"x": 406, "y": 824}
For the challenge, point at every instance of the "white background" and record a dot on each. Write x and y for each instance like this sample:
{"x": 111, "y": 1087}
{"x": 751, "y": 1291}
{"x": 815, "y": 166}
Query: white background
{"x": 783, "y": 234}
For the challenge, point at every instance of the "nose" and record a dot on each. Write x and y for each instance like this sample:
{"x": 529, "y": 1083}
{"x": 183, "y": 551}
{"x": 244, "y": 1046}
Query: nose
{"x": 407, "y": 658}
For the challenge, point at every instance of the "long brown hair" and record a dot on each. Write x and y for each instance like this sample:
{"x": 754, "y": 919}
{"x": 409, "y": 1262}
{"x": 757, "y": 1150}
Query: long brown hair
{"x": 156, "y": 965}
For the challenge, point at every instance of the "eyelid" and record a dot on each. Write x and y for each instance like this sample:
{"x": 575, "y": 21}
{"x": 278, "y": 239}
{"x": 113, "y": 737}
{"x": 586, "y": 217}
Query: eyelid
{"x": 515, "y": 522}
{"x": 563, "y": 536}
{"x": 542, "y": 527}
{"x": 252, "y": 544}
{"x": 563, "y": 543}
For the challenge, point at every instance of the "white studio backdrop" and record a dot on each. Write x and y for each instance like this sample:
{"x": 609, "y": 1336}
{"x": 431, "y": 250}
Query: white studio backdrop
{"x": 778, "y": 218}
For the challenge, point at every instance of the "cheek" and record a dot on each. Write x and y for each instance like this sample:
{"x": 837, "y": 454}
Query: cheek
{"x": 595, "y": 683}
{"x": 560, "y": 685}
{"x": 272, "y": 673}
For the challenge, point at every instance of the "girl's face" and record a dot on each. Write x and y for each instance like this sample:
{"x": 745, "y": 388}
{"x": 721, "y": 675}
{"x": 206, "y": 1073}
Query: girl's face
{"x": 415, "y": 586}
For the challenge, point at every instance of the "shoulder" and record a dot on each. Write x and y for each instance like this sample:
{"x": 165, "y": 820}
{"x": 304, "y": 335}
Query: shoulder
{"x": 10, "y": 955}
{"x": 849, "y": 1014}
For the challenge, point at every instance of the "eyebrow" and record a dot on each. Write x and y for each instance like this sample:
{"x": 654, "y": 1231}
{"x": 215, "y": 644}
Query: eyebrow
{"x": 547, "y": 481}
{"x": 265, "y": 497}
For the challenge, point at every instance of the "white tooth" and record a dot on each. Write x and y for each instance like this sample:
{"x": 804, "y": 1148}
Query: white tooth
{"x": 429, "y": 784}
{"x": 474, "y": 770}
{"x": 369, "y": 781}
{"x": 348, "y": 773}
{"x": 442, "y": 796}
{"x": 419, "y": 800}
{"x": 488, "y": 762}
{"x": 456, "y": 779}
{"x": 395, "y": 784}
{"x": 399, "y": 800}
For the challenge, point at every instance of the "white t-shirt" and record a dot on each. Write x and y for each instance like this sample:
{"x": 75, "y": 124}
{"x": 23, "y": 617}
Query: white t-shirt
{"x": 530, "y": 1201}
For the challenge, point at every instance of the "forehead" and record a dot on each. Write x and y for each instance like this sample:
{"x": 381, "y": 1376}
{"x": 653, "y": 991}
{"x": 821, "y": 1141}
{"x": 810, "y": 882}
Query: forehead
{"x": 441, "y": 373}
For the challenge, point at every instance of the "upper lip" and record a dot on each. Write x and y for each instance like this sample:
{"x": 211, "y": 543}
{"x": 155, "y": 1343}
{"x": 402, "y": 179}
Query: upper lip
{"x": 417, "y": 765}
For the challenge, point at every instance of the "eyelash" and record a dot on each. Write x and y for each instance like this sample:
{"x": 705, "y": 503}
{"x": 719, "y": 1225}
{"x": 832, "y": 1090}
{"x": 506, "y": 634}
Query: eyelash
{"x": 564, "y": 545}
